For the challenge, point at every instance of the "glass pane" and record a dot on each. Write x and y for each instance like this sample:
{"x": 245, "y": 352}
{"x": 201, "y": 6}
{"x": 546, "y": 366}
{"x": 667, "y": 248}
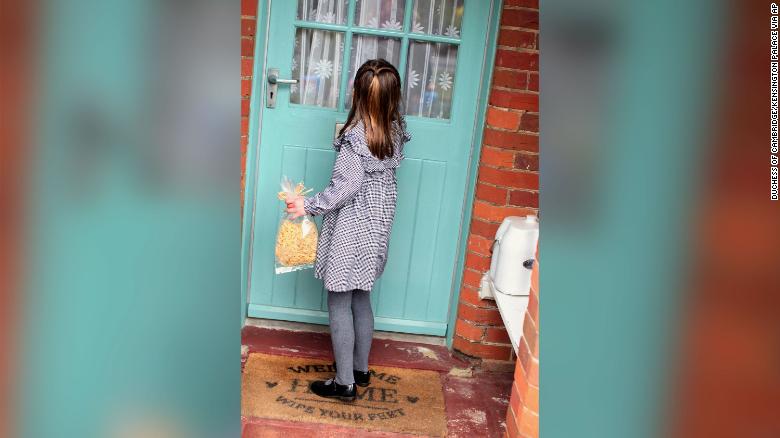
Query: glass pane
{"x": 430, "y": 79}
{"x": 316, "y": 63}
{"x": 438, "y": 17}
{"x": 384, "y": 14}
{"x": 323, "y": 11}
{"x": 365, "y": 47}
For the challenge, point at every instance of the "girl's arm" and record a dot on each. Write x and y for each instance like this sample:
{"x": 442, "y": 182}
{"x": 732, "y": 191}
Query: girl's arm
{"x": 344, "y": 184}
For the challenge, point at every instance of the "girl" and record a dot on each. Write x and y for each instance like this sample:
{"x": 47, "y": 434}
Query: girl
{"x": 358, "y": 207}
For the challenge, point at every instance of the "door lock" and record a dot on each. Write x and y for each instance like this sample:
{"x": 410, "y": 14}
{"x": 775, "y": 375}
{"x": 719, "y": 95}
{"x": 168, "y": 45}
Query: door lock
{"x": 273, "y": 83}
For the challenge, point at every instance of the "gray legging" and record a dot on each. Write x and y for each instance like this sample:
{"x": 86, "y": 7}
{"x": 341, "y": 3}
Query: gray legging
{"x": 351, "y": 330}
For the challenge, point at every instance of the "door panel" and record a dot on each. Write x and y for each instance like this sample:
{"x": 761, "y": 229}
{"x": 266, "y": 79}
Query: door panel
{"x": 322, "y": 50}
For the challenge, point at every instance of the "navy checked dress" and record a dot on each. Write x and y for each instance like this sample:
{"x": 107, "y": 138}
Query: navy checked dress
{"x": 358, "y": 207}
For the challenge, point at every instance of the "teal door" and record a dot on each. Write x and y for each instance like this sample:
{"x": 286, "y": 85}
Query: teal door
{"x": 438, "y": 47}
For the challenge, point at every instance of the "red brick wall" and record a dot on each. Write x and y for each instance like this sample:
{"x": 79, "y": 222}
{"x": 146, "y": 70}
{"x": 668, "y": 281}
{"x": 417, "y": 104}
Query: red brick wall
{"x": 522, "y": 417}
{"x": 508, "y": 178}
{"x": 248, "y": 28}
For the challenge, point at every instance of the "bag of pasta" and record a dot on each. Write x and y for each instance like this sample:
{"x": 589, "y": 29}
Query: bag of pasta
{"x": 296, "y": 240}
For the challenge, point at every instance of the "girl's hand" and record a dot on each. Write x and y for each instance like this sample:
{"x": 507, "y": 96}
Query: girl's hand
{"x": 295, "y": 206}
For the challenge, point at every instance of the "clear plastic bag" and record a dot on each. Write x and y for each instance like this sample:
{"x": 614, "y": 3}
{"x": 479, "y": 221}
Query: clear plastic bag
{"x": 296, "y": 240}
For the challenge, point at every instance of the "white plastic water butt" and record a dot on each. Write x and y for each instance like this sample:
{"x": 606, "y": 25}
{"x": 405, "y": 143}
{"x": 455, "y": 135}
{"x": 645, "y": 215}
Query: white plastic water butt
{"x": 515, "y": 245}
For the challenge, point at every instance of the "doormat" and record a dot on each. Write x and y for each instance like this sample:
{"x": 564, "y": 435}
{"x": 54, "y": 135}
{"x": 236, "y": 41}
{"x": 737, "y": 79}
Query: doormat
{"x": 397, "y": 400}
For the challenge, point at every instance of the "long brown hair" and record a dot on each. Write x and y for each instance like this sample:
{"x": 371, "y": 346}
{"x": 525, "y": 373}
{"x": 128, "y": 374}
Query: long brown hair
{"x": 376, "y": 101}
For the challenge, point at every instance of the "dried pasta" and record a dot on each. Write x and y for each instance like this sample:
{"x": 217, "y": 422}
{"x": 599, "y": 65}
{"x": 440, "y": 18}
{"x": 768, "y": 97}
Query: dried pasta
{"x": 293, "y": 246}
{"x": 296, "y": 241}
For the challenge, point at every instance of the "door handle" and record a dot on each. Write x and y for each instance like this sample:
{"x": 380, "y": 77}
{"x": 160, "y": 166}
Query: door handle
{"x": 273, "y": 79}
{"x": 273, "y": 83}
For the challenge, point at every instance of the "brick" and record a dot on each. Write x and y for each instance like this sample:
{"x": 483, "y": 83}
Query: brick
{"x": 498, "y": 335}
{"x": 517, "y": 38}
{"x": 522, "y": 198}
{"x": 497, "y": 157}
{"x": 533, "y": 372}
{"x": 519, "y": 381}
{"x": 531, "y": 399}
{"x": 533, "y": 4}
{"x": 477, "y": 262}
{"x": 471, "y": 296}
{"x": 246, "y": 87}
{"x": 526, "y": 162}
{"x": 533, "y": 335}
{"x": 484, "y": 229}
{"x": 503, "y": 119}
{"x": 480, "y": 245}
{"x": 530, "y": 364}
{"x": 520, "y": 18}
{"x": 516, "y": 397}
{"x": 509, "y": 178}
{"x": 247, "y": 64}
{"x": 466, "y": 329}
{"x": 524, "y": 356}
{"x": 489, "y": 193}
{"x": 519, "y": 375}
{"x": 512, "y": 430}
{"x": 478, "y": 315}
{"x": 515, "y": 100}
{"x": 244, "y": 107}
{"x": 247, "y": 46}
{"x": 510, "y": 79}
{"x": 530, "y": 333}
{"x": 528, "y": 424}
{"x": 487, "y": 211}
{"x": 248, "y": 7}
{"x": 533, "y": 308}
{"x": 243, "y": 156}
{"x": 244, "y": 143}
{"x": 529, "y": 122}
{"x": 244, "y": 125}
{"x": 248, "y": 27}
{"x": 511, "y": 140}
{"x": 533, "y": 81}
{"x": 517, "y": 60}
{"x": 485, "y": 351}
{"x": 472, "y": 278}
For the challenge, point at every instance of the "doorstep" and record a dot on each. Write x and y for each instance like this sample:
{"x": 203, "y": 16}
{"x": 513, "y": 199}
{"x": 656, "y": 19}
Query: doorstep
{"x": 475, "y": 400}
{"x": 386, "y": 352}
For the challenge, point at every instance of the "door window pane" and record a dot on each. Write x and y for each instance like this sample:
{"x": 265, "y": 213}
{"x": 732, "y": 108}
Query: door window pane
{"x": 430, "y": 79}
{"x": 316, "y": 63}
{"x": 365, "y": 47}
{"x": 438, "y": 17}
{"x": 323, "y": 11}
{"x": 380, "y": 14}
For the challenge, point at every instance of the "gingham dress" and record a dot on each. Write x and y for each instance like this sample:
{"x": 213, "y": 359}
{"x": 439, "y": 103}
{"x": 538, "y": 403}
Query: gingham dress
{"x": 358, "y": 207}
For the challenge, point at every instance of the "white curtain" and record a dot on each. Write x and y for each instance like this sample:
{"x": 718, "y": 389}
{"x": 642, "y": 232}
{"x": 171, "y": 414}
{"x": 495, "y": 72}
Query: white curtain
{"x": 430, "y": 71}
{"x": 318, "y": 54}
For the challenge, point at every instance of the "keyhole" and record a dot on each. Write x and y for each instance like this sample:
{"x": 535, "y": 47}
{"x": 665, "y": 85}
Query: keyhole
{"x": 272, "y": 95}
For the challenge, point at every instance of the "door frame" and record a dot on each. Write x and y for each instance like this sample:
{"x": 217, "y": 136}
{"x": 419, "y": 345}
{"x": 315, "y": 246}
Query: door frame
{"x": 253, "y": 147}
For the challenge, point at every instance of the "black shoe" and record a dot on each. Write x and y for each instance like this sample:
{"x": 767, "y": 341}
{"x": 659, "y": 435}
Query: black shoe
{"x": 331, "y": 389}
{"x": 362, "y": 378}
